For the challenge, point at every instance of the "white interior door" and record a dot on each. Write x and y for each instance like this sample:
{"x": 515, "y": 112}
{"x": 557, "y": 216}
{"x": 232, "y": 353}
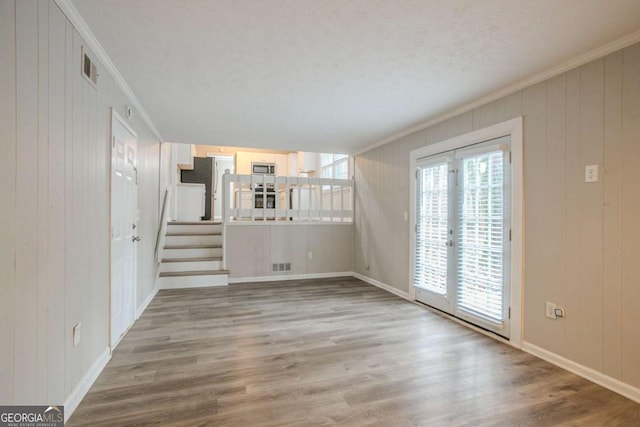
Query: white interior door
{"x": 124, "y": 194}
{"x": 463, "y": 234}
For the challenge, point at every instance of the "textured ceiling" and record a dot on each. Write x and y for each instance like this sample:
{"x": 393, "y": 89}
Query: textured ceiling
{"x": 334, "y": 75}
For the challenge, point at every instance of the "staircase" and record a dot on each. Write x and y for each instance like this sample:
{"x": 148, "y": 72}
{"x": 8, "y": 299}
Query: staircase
{"x": 192, "y": 256}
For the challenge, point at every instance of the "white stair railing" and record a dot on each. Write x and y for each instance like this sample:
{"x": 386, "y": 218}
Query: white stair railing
{"x": 286, "y": 199}
{"x": 162, "y": 226}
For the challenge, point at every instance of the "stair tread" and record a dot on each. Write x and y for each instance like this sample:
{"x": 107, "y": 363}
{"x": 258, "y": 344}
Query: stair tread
{"x": 196, "y": 259}
{"x": 193, "y": 273}
{"x": 194, "y": 223}
{"x": 193, "y": 247}
{"x": 194, "y": 234}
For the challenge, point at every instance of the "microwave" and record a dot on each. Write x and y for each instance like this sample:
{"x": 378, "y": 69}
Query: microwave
{"x": 263, "y": 168}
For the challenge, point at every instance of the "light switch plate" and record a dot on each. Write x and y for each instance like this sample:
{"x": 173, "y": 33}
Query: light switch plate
{"x": 591, "y": 173}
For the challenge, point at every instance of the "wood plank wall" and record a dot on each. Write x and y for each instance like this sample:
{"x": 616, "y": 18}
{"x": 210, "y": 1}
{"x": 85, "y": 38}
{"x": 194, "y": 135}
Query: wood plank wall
{"x": 8, "y": 196}
{"x": 580, "y": 239}
{"x": 54, "y": 205}
{"x": 252, "y": 249}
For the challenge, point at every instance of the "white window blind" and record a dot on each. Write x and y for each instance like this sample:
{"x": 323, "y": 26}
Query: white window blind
{"x": 334, "y": 166}
{"x": 480, "y": 234}
{"x": 432, "y": 223}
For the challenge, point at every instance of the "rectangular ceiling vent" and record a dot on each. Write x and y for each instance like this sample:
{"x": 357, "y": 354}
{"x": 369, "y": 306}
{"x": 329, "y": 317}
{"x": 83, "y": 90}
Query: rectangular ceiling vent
{"x": 89, "y": 69}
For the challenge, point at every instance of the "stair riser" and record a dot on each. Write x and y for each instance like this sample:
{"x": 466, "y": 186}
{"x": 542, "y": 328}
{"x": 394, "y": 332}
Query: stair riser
{"x": 181, "y": 282}
{"x": 193, "y": 240}
{"x": 192, "y": 253}
{"x": 203, "y": 229}
{"x": 190, "y": 266}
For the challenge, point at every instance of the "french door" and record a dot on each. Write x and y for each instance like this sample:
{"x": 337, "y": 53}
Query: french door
{"x": 462, "y": 253}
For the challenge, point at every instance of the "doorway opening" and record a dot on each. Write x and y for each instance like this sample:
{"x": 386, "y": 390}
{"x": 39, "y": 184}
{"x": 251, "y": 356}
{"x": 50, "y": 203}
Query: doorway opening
{"x": 219, "y": 164}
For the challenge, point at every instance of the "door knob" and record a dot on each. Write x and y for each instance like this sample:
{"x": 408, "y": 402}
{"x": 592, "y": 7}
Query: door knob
{"x": 135, "y": 239}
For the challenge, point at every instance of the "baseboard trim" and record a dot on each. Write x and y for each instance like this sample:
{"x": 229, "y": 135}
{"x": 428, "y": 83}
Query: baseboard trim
{"x": 71, "y": 403}
{"x": 147, "y": 301}
{"x": 381, "y": 285}
{"x": 592, "y": 375}
{"x": 277, "y": 278}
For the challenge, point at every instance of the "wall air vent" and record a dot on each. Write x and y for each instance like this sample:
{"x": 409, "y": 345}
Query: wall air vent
{"x": 89, "y": 69}
{"x": 276, "y": 268}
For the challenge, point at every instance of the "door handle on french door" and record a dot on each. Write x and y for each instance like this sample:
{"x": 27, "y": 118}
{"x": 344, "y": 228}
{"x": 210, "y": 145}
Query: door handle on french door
{"x": 135, "y": 239}
{"x": 450, "y": 243}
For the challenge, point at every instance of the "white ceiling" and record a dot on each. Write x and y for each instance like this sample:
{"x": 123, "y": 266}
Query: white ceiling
{"x": 334, "y": 75}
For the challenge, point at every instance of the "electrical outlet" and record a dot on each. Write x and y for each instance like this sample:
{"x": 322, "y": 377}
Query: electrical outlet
{"x": 550, "y": 310}
{"x": 76, "y": 334}
{"x": 591, "y": 173}
{"x": 309, "y": 255}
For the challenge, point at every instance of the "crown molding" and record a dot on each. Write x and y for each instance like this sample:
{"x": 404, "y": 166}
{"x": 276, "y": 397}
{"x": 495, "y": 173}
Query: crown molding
{"x": 515, "y": 87}
{"x": 90, "y": 39}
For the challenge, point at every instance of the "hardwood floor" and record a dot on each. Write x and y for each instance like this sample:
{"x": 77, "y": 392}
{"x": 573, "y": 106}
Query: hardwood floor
{"x": 328, "y": 352}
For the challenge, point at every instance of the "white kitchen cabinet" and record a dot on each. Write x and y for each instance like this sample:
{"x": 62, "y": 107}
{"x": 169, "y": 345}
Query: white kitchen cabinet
{"x": 284, "y": 200}
{"x": 243, "y": 200}
{"x": 293, "y": 164}
{"x": 184, "y": 155}
{"x": 307, "y": 162}
{"x": 243, "y": 163}
{"x": 299, "y": 198}
{"x": 306, "y": 199}
{"x": 282, "y": 164}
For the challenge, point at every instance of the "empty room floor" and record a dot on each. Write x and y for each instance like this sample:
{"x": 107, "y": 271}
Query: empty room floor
{"x": 328, "y": 352}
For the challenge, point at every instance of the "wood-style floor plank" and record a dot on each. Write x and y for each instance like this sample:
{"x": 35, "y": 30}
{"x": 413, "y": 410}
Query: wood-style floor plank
{"x": 328, "y": 352}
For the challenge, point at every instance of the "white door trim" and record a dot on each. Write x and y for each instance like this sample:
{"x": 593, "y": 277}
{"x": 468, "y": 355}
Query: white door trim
{"x": 122, "y": 121}
{"x": 117, "y": 117}
{"x": 514, "y": 129}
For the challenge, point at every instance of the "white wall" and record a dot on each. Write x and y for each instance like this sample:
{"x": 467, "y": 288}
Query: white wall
{"x": 54, "y": 205}
{"x": 580, "y": 239}
{"x": 150, "y": 196}
{"x": 252, "y": 249}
